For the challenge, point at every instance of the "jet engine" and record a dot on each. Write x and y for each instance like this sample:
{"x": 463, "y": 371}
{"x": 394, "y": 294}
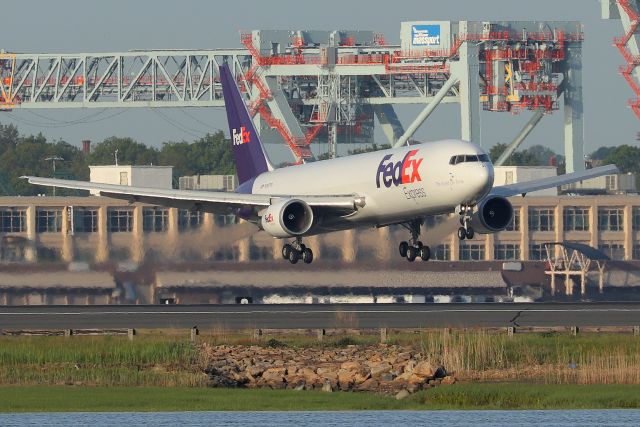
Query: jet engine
{"x": 287, "y": 218}
{"x": 493, "y": 215}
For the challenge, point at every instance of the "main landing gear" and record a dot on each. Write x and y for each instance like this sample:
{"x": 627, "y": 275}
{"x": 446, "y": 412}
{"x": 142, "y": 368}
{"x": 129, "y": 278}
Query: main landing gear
{"x": 466, "y": 231}
{"x": 414, "y": 247}
{"x": 296, "y": 251}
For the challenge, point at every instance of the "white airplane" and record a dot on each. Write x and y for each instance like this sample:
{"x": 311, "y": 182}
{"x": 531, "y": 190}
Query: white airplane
{"x": 396, "y": 186}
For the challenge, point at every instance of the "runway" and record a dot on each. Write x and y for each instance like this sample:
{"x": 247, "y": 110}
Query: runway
{"x": 294, "y": 316}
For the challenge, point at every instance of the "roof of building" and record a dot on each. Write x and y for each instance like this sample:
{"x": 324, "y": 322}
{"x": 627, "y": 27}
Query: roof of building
{"x": 58, "y": 280}
{"x": 340, "y": 278}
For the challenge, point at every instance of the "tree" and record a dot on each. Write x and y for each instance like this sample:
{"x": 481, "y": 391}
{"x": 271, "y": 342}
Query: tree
{"x": 8, "y": 137}
{"x": 518, "y": 158}
{"x": 601, "y": 153}
{"x": 627, "y": 158}
{"x": 28, "y": 156}
{"x": 542, "y": 154}
{"x": 130, "y": 152}
{"x": 496, "y": 151}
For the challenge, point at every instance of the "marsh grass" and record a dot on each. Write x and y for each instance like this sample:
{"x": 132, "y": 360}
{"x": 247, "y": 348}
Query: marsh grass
{"x": 149, "y": 360}
{"x": 549, "y": 358}
{"x": 167, "y": 358}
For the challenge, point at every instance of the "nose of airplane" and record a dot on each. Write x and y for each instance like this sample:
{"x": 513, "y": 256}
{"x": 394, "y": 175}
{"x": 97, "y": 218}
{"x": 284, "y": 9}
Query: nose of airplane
{"x": 483, "y": 179}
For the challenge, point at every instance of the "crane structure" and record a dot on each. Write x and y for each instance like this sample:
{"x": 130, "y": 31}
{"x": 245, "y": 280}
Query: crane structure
{"x": 628, "y": 11}
{"x": 303, "y": 86}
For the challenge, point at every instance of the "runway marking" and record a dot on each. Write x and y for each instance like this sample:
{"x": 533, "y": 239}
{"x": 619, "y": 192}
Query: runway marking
{"x": 101, "y": 313}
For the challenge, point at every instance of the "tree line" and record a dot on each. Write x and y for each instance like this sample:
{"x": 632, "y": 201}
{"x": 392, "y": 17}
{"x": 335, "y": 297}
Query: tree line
{"x": 26, "y": 155}
{"x": 211, "y": 154}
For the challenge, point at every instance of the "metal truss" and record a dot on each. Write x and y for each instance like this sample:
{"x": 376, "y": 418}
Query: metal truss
{"x": 131, "y": 79}
{"x": 177, "y": 78}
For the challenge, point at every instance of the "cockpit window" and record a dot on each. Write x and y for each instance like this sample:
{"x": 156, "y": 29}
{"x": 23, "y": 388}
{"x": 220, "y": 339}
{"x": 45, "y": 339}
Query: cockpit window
{"x": 466, "y": 158}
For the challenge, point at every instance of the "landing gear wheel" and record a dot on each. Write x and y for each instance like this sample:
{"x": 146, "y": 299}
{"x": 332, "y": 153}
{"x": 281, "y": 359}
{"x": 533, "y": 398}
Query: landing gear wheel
{"x": 403, "y": 249}
{"x": 307, "y": 256}
{"x": 302, "y": 248}
{"x": 470, "y": 233}
{"x": 419, "y": 245}
{"x": 411, "y": 253}
{"x": 294, "y": 256}
{"x": 462, "y": 233}
{"x": 286, "y": 250}
{"x": 425, "y": 253}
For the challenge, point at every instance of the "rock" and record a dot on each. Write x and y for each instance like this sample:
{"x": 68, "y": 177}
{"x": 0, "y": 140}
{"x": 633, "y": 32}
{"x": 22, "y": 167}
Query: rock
{"x": 361, "y": 377}
{"x": 276, "y": 370}
{"x": 300, "y": 387}
{"x": 379, "y": 369}
{"x": 424, "y": 369}
{"x": 346, "y": 376}
{"x": 369, "y": 385}
{"x": 310, "y": 377}
{"x": 409, "y": 366}
{"x": 331, "y": 376}
{"x": 448, "y": 380}
{"x": 386, "y": 377}
{"x": 325, "y": 369}
{"x": 255, "y": 370}
{"x": 350, "y": 365}
{"x": 416, "y": 379}
{"x": 272, "y": 377}
{"x": 403, "y": 377}
{"x": 327, "y": 387}
{"x": 402, "y": 394}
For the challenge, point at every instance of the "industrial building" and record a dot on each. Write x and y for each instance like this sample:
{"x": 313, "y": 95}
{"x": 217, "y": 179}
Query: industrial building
{"x": 97, "y": 229}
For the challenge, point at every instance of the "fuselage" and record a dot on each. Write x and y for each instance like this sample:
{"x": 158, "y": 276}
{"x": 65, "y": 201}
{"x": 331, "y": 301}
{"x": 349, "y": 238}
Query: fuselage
{"x": 397, "y": 184}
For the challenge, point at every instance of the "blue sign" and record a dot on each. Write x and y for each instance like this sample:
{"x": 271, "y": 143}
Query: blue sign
{"x": 425, "y": 35}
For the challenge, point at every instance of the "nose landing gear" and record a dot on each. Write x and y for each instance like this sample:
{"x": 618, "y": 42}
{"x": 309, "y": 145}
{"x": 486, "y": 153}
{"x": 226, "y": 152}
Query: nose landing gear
{"x": 466, "y": 231}
{"x": 414, "y": 247}
{"x": 296, "y": 251}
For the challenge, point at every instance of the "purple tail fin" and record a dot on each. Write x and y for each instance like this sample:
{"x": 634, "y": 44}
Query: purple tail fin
{"x": 250, "y": 157}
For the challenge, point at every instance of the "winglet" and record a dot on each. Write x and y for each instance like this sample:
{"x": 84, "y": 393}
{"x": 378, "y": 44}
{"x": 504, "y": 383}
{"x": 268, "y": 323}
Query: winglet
{"x": 250, "y": 157}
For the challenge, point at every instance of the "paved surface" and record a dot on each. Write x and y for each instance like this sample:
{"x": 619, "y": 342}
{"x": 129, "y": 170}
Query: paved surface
{"x": 320, "y": 316}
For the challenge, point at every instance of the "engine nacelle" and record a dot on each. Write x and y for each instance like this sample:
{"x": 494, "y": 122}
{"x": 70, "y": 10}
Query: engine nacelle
{"x": 493, "y": 215}
{"x": 287, "y": 218}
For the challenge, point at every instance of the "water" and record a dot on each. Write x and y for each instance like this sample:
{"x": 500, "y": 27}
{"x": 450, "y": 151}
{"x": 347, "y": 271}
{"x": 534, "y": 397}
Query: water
{"x": 359, "y": 418}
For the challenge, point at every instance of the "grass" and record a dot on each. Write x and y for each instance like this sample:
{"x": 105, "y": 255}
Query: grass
{"x": 166, "y": 358}
{"x": 458, "y": 396}
{"x": 160, "y": 371}
{"x": 533, "y": 396}
{"x": 549, "y": 358}
{"x": 93, "y": 360}
{"x": 62, "y": 399}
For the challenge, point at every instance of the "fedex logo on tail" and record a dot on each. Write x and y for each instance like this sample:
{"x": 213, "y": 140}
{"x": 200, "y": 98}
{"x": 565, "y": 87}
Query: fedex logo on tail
{"x": 406, "y": 171}
{"x": 241, "y": 137}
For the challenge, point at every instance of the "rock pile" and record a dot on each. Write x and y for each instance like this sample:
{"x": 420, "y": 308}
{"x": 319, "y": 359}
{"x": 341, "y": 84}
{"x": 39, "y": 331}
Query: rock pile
{"x": 388, "y": 369}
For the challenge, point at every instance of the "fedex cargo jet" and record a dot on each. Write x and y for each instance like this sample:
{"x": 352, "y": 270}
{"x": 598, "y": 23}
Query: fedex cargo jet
{"x": 396, "y": 186}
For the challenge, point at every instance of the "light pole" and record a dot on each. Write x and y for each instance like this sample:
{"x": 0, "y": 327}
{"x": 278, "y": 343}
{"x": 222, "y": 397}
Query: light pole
{"x": 53, "y": 160}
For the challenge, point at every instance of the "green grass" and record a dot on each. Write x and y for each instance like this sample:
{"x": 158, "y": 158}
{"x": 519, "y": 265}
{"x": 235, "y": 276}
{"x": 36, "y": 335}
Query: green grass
{"x": 458, "y": 396}
{"x": 533, "y": 396}
{"x": 62, "y": 399}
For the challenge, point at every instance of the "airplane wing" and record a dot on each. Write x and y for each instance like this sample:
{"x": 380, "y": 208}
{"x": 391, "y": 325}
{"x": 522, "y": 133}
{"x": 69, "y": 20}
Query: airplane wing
{"x": 554, "y": 181}
{"x": 208, "y": 201}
